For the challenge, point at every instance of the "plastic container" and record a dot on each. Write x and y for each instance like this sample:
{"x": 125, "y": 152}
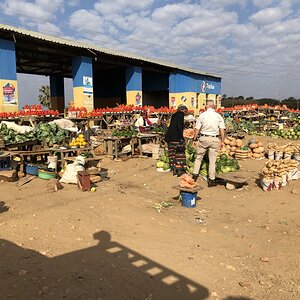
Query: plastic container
{"x": 271, "y": 154}
{"x": 284, "y": 180}
{"x": 297, "y": 157}
{"x": 294, "y": 174}
{"x": 267, "y": 184}
{"x": 46, "y": 174}
{"x": 277, "y": 183}
{"x": 278, "y": 156}
{"x": 31, "y": 170}
{"x": 52, "y": 162}
{"x": 188, "y": 199}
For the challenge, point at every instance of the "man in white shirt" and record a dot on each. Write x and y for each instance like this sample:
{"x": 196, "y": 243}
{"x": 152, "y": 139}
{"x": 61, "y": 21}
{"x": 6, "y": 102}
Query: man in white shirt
{"x": 211, "y": 127}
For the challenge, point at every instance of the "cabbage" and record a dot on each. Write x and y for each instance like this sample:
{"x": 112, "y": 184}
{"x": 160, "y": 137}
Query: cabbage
{"x": 163, "y": 158}
{"x": 166, "y": 166}
{"x": 160, "y": 164}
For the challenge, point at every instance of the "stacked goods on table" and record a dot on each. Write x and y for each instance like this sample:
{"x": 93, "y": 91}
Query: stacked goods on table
{"x": 30, "y": 111}
{"x": 224, "y": 163}
{"x": 286, "y": 151}
{"x": 79, "y": 141}
{"x": 163, "y": 164}
{"x": 291, "y": 133}
{"x": 11, "y": 136}
{"x": 187, "y": 182}
{"x": 257, "y": 149}
{"x": 50, "y": 134}
{"x": 277, "y": 174}
{"x": 238, "y": 149}
{"x": 231, "y": 145}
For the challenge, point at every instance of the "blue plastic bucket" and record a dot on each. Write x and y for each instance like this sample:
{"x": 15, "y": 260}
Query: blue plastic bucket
{"x": 188, "y": 199}
{"x": 31, "y": 170}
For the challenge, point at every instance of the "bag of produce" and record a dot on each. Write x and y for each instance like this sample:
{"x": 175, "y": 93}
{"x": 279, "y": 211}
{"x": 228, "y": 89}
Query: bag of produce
{"x": 70, "y": 174}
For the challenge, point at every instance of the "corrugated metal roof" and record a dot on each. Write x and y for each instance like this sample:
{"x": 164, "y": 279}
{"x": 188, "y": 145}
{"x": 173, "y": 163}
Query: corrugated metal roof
{"x": 71, "y": 43}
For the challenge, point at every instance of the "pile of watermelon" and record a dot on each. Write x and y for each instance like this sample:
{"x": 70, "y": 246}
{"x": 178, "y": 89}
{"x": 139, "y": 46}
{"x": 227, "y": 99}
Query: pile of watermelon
{"x": 224, "y": 163}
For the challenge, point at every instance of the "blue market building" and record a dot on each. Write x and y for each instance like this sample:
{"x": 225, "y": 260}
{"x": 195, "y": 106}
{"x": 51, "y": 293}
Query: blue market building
{"x": 101, "y": 77}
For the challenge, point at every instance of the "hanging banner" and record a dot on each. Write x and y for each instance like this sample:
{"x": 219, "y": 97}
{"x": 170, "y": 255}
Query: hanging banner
{"x": 9, "y": 94}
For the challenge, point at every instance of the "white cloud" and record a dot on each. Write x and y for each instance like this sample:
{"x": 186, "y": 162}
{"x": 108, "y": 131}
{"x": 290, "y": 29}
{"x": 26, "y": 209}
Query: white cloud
{"x": 84, "y": 21}
{"x": 271, "y": 14}
{"x": 262, "y": 3}
{"x": 49, "y": 28}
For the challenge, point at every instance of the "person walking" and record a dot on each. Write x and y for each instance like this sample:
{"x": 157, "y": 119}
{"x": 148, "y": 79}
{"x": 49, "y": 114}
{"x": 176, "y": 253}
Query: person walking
{"x": 175, "y": 140}
{"x": 211, "y": 127}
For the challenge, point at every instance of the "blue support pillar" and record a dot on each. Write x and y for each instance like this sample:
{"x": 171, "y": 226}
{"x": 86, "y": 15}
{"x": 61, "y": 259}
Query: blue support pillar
{"x": 134, "y": 91}
{"x": 8, "y": 77}
{"x": 57, "y": 92}
{"x": 82, "y": 69}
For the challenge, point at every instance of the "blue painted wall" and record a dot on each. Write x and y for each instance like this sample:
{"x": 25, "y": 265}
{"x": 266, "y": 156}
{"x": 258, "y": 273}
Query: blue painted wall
{"x": 81, "y": 66}
{"x": 180, "y": 82}
{"x": 133, "y": 78}
{"x": 8, "y": 68}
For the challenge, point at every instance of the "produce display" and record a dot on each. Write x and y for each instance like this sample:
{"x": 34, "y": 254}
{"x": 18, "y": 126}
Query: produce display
{"x": 240, "y": 150}
{"x": 187, "y": 182}
{"x": 224, "y": 163}
{"x": 10, "y": 137}
{"x": 120, "y": 109}
{"x": 51, "y": 133}
{"x": 188, "y": 133}
{"x": 163, "y": 163}
{"x": 284, "y": 151}
{"x": 291, "y": 133}
{"x": 79, "y": 141}
{"x": 45, "y": 132}
{"x": 124, "y": 132}
{"x": 30, "y": 111}
{"x": 277, "y": 174}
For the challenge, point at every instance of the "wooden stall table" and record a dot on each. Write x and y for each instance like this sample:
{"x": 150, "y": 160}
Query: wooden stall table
{"x": 68, "y": 153}
{"x": 33, "y": 155}
{"x": 87, "y": 160}
{"x": 154, "y": 137}
{"x": 111, "y": 145}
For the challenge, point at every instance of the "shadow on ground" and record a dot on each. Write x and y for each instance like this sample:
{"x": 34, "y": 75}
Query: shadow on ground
{"x": 105, "y": 271}
{"x": 3, "y": 207}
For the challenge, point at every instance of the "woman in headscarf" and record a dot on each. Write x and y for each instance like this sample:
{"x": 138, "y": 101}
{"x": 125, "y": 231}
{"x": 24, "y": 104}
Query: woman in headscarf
{"x": 175, "y": 140}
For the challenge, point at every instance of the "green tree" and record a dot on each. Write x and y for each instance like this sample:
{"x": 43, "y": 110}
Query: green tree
{"x": 44, "y": 96}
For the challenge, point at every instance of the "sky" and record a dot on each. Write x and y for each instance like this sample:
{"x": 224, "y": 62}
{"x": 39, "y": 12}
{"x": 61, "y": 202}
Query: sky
{"x": 252, "y": 44}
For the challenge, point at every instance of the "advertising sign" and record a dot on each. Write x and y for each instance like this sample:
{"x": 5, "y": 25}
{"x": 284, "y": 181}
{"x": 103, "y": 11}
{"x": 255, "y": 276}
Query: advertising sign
{"x": 173, "y": 102}
{"x": 87, "y": 85}
{"x": 206, "y": 87}
{"x": 9, "y": 94}
{"x": 138, "y": 99}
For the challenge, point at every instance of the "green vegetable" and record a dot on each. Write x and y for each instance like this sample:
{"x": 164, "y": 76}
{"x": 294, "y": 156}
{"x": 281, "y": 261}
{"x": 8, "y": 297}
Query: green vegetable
{"x": 166, "y": 166}
{"x": 160, "y": 164}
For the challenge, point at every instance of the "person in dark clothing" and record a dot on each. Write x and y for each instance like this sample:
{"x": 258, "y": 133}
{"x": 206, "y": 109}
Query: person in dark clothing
{"x": 175, "y": 140}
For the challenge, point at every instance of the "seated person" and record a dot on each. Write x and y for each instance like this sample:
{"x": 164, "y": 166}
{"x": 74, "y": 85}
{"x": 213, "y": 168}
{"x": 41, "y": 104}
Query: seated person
{"x": 143, "y": 120}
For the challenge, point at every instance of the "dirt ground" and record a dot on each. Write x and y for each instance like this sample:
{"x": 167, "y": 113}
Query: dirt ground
{"x": 112, "y": 244}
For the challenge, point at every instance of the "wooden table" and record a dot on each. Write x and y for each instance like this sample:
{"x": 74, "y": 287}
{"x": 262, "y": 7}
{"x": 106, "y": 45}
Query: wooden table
{"x": 111, "y": 145}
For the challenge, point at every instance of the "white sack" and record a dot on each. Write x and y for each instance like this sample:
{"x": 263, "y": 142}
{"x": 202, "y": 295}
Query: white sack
{"x": 17, "y": 128}
{"x": 70, "y": 174}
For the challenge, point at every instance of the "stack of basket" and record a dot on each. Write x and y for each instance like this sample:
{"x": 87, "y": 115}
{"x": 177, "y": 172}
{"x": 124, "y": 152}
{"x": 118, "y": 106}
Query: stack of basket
{"x": 241, "y": 154}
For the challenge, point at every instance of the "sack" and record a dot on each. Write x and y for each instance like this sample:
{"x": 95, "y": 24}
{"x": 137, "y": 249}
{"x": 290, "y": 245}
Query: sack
{"x": 70, "y": 174}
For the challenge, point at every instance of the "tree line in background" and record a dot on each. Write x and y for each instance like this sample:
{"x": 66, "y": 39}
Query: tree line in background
{"x": 290, "y": 102}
